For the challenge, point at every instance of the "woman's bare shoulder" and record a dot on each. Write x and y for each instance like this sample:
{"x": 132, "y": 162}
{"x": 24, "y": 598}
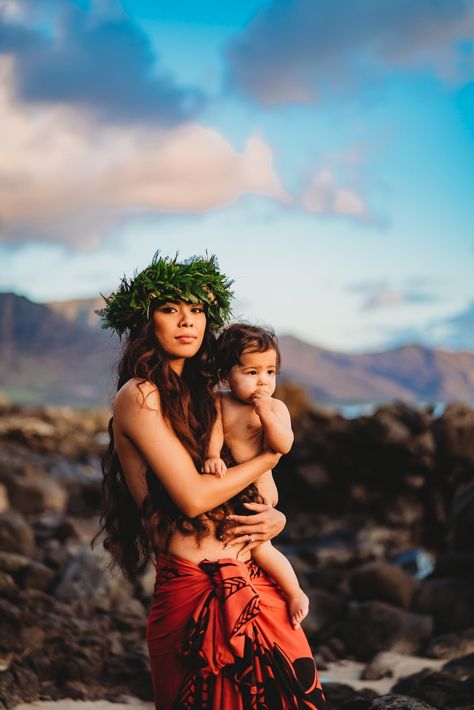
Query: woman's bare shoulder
{"x": 136, "y": 394}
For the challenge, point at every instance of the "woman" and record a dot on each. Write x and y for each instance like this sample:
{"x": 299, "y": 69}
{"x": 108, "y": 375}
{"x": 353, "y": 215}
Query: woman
{"x": 218, "y": 629}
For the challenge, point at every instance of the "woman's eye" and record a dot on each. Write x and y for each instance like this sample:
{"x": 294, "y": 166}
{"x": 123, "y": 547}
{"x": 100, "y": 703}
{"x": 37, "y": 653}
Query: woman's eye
{"x": 198, "y": 309}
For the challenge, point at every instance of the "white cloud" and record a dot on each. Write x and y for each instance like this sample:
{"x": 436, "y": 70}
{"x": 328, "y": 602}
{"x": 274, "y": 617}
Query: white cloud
{"x": 65, "y": 177}
{"x": 323, "y": 195}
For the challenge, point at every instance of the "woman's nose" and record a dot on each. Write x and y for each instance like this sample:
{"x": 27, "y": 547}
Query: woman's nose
{"x": 186, "y": 318}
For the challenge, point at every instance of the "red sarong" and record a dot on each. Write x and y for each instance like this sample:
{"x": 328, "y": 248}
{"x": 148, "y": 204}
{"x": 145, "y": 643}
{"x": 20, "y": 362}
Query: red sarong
{"x": 219, "y": 638}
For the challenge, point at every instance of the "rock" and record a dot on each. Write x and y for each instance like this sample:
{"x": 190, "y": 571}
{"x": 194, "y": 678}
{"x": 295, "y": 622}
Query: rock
{"x": 8, "y": 588}
{"x": 38, "y": 576}
{"x": 404, "y": 511}
{"x": 451, "y": 645}
{"x": 12, "y": 563}
{"x": 327, "y": 653}
{"x": 449, "y": 601}
{"x": 390, "y": 428}
{"x": 462, "y": 518}
{"x": 375, "y": 626}
{"x": 80, "y": 529}
{"x": 86, "y": 578}
{"x": 130, "y": 615}
{"x": 383, "y": 581}
{"x": 85, "y": 499}
{"x": 454, "y": 433}
{"x": 398, "y": 702}
{"x": 27, "y": 681}
{"x": 4, "y": 502}
{"x": 324, "y": 609}
{"x": 337, "y": 694}
{"x": 314, "y": 475}
{"x": 381, "y": 666}
{"x": 301, "y": 567}
{"x": 26, "y": 572}
{"x": 438, "y": 688}
{"x": 18, "y": 684}
{"x": 461, "y": 668}
{"x": 87, "y": 662}
{"x": 36, "y": 493}
{"x": 10, "y": 627}
{"x": 15, "y": 534}
{"x": 417, "y": 421}
{"x": 454, "y": 564}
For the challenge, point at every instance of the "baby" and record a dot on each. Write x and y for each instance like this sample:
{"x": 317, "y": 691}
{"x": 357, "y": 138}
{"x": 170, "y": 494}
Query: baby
{"x": 249, "y": 419}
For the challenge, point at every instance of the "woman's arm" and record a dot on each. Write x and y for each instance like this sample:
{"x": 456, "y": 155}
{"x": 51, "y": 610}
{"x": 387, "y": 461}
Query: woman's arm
{"x": 138, "y": 416}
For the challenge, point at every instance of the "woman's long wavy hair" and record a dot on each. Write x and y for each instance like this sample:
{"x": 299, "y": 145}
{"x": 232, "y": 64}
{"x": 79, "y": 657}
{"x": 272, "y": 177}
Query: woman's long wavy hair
{"x": 131, "y": 534}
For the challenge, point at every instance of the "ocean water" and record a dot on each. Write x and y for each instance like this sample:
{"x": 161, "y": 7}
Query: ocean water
{"x": 353, "y": 410}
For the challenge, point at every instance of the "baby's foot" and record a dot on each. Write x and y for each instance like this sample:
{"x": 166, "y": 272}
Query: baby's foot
{"x": 298, "y": 607}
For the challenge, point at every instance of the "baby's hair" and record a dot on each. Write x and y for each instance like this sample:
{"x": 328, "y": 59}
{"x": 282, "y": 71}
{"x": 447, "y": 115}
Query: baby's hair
{"x": 238, "y": 338}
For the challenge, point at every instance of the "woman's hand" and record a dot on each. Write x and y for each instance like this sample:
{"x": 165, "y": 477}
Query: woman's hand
{"x": 251, "y": 530}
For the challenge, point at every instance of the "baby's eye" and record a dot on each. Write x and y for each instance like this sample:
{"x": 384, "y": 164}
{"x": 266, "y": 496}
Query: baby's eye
{"x": 252, "y": 372}
{"x": 271, "y": 372}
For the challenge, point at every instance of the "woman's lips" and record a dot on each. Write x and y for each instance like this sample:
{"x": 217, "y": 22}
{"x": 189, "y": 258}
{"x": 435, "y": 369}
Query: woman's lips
{"x": 186, "y": 338}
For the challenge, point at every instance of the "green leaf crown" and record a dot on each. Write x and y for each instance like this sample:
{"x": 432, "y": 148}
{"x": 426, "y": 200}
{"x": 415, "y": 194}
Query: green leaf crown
{"x": 195, "y": 280}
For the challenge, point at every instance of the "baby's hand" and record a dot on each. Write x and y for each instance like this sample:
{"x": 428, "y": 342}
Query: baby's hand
{"x": 214, "y": 465}
{"x": 262, "y": 402}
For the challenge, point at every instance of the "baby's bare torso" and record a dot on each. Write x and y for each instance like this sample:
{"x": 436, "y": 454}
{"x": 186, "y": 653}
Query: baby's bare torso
{"x": 243, "y": 431}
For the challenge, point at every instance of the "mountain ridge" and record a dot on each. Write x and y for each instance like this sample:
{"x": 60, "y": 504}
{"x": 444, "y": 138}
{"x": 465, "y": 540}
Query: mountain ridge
{"x": 55, "y": 352}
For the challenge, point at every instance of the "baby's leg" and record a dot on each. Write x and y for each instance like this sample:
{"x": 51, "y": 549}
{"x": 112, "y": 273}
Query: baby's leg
{"x": 278, "y": 567}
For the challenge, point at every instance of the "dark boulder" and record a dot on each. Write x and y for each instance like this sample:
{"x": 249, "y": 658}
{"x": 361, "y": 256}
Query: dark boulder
{"x": 324, "y": 609}
{"x": 454, "y": 434}
{"x": 374, "y": 626}
{"x": 338, "y": 694}
{"x": 451, "y": 645}
{"x": 398, "y": 702}
{"x": 384, "y": 582}
{"x": 15, "y": 534}
{"x": 462, "y": 518}
{"x": 449, "y": 601}
{"x": 451, "y": 687}
{"x": 35, "y": 492}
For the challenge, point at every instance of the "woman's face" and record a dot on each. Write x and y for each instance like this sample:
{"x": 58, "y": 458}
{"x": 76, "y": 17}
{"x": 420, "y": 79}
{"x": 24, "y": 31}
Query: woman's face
{"x": 179, "y": 328}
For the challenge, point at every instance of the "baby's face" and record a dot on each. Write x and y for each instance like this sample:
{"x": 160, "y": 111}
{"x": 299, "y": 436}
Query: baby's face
{"x": 256, "y": 372}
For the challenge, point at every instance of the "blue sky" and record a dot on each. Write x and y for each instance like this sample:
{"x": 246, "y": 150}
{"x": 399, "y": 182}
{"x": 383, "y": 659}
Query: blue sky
{"x": 324, "y": 150}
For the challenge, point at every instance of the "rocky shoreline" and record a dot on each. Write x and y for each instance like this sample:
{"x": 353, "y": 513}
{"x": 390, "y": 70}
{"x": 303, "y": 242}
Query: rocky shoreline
{"x": 380, "y": 514}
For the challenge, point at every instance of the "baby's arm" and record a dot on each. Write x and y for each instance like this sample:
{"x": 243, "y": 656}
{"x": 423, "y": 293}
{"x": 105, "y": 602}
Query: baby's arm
{"x": 213, "y": 462}
{"x": 276, "y": 422}
{"x": 277, "y": 566}
{"x": 267, "y": 488}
